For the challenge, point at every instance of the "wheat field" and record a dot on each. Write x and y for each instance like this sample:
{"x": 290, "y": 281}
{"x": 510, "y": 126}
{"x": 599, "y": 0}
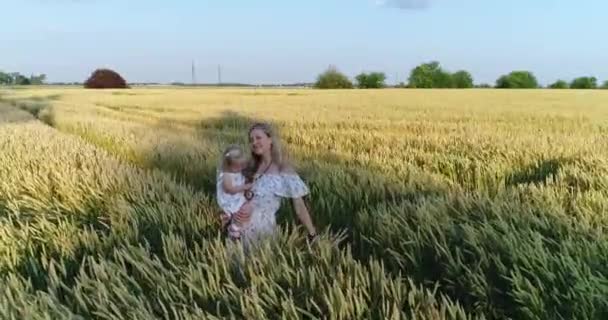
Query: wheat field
{"x": 434, "y": 204}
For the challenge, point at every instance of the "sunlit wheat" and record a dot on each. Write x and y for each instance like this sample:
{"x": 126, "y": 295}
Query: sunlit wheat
{"x": 453, "y": 204}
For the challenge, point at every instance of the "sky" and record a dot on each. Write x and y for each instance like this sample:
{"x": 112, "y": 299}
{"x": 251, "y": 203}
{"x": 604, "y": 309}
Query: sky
{"x": 272, "y": 41}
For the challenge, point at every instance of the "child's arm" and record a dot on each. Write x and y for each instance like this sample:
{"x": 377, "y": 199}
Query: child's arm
{"x": 231, "y": 189}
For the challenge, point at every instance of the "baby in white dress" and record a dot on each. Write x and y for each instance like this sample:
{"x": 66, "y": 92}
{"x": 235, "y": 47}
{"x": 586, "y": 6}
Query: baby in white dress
{"x": 231, "y": 186}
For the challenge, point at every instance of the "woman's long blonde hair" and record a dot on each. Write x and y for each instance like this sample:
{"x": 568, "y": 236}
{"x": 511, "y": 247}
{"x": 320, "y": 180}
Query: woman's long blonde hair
{"x": 278, "y": 156}
{"x": 276, "y": 152}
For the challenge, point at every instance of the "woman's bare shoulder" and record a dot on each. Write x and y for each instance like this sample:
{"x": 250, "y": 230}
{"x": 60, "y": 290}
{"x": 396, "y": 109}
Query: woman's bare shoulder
{"x": 283, "y": 168}
{"x": 274, "y": 169}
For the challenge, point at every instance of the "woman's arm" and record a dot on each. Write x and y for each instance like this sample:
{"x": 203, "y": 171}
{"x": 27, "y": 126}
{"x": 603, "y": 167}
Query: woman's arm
{"x": 243, "y": 216}
{"x": 304, "y": 215}
{"x": 300, "y": 206}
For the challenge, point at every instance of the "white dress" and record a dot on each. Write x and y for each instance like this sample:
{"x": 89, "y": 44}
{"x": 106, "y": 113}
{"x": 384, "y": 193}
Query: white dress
{"x": 269, "y": 189}
{"x": 230, "y": 203}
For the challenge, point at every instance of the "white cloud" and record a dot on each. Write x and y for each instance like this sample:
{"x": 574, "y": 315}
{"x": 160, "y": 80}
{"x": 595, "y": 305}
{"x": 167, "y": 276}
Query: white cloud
{"x": 405, "y": 4}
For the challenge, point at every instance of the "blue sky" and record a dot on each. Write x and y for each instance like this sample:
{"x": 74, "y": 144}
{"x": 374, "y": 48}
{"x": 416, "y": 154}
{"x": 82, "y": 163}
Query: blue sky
{"x": 269, "y": 41}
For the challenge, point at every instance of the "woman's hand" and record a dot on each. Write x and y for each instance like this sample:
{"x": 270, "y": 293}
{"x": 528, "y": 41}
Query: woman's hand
{"x": 225, "y": 219}
{"x": 243, "y": 216}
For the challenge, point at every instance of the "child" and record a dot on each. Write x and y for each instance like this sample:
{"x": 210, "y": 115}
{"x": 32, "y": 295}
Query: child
{"x": 231, "y": 186}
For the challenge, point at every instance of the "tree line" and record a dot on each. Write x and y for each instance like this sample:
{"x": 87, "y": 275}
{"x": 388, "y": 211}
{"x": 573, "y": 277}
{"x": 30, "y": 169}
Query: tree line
{"x": 426, "y": 75}
{"x": 432, "y": 75}
{"x": 16, "y": 78}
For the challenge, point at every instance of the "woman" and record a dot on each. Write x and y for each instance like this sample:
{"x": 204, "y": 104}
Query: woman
{"x": 273, "y": 180}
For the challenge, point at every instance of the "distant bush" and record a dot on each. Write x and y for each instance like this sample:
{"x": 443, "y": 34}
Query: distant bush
{"x": 517, "y": 80}
{"x": 584, "y": 83}
{"x": 333, "y": 79}
{"x": 604, "y": 85}
{"x": 372, "y": 80}
{"x": 559, "y": 84}
{"x": 105, "y": 79}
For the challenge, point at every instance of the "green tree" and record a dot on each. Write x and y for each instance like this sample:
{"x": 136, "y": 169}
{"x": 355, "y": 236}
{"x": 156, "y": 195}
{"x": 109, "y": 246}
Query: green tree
{"x": 333, "y": 79}
{"x": 517, "y": 80}
{"x": 559, "y": 84}
{"x": 443, "y": 79}
{"x": 430, "y": 75}
{"x": 373, "y": 80}
{"x": 584, "y": 83}
{"x": 22, "y": 80}
{"x": 422, "y": 76}
{"x": 38, "y": 80}
{"x": 14, "y": 77}
{"x": 361, "y": 80}
{"x": 604, "y": 85}
{"x": 462, "y": 79}
{"x": 5, "y": 78}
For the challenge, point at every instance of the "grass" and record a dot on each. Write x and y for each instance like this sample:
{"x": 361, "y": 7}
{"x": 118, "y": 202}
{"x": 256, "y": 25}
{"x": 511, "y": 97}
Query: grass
{"x": 434, "y": 204}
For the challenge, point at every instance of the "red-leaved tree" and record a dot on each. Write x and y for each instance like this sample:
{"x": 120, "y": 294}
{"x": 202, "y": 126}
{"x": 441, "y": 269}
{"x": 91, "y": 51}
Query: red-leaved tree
{"x": 105, "y": 79}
